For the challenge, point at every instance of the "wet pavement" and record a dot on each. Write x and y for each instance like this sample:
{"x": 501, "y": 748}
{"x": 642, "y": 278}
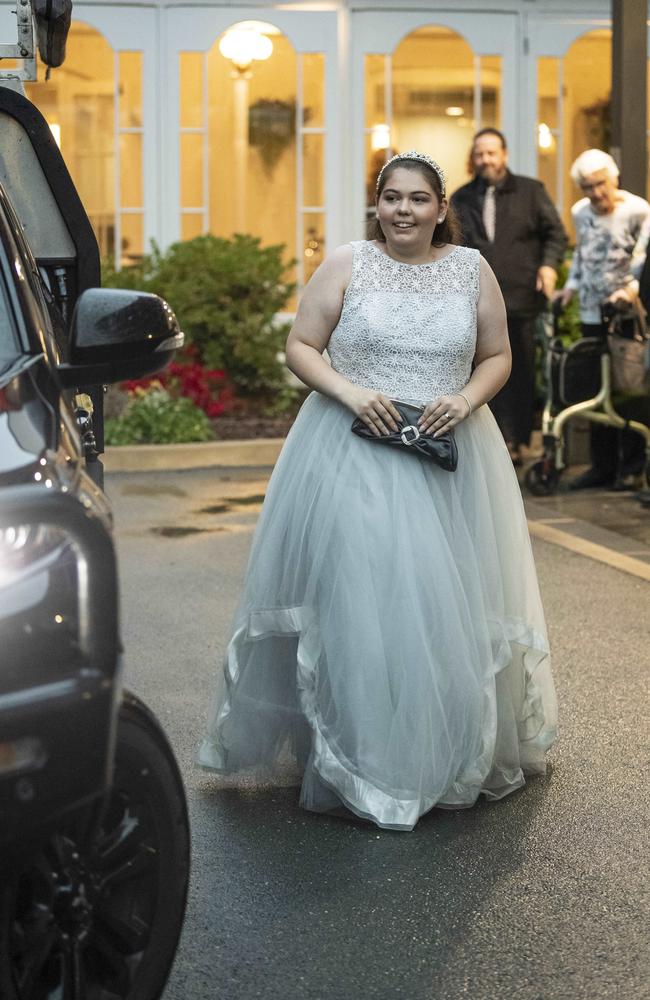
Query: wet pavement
{"x": 618, "y": 512}
{"x": 592, "y": 513}
{"x": 610, "y": 521}
{"x": 539, "y": 897}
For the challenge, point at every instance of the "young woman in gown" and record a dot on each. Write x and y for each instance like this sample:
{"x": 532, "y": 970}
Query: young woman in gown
{"x": 390, "y": 641}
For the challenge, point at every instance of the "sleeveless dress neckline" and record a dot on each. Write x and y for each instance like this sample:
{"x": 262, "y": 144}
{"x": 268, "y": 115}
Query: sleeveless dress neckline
{"x": 408, "y": 330}
{"x": 389, "y": 653}
{"x": 404, "y": 263}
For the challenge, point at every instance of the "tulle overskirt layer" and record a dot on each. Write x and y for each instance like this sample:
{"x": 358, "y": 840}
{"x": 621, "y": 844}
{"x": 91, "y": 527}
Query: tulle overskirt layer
{"x": 390, "y": 649}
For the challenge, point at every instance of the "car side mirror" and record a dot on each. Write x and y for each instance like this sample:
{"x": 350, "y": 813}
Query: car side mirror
{"x": 118, "y": 334}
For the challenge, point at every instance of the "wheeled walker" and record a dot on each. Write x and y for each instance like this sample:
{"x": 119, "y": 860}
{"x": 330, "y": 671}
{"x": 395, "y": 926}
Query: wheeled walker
{"x": 579, "y": 384}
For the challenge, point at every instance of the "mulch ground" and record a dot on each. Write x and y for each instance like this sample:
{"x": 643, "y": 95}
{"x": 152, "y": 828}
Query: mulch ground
{"x": 243, "y": 424}
{"x": 246, "y": 427}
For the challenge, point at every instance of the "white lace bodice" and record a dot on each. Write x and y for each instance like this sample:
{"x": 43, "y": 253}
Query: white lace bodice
{"x": 408, "y": 330}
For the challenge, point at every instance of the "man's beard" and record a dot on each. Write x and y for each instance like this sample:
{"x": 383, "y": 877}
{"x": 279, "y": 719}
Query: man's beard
{"x": 490, "y": 173}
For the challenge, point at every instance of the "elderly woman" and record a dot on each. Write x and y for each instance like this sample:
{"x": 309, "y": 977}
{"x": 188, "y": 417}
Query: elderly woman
{"x": 611, "y": 241}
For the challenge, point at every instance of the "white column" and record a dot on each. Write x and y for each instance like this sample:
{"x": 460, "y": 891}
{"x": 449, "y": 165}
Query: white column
{"x": 355, "y": 228}
{"x": 240, "y": 84}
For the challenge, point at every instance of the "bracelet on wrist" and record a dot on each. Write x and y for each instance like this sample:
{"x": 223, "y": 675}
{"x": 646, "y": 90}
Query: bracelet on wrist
{"x": 469, "y": 405}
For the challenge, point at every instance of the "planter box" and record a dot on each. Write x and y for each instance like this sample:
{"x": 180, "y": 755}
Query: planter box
{"x": 150, "y": 457}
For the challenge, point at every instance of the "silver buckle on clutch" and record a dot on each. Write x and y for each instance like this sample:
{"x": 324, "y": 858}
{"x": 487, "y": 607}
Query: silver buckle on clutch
{"x": 409, "y": 441}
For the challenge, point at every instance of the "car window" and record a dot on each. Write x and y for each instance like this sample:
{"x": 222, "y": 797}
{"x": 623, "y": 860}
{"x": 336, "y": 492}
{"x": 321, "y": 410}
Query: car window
{"x": 10, "y": 348}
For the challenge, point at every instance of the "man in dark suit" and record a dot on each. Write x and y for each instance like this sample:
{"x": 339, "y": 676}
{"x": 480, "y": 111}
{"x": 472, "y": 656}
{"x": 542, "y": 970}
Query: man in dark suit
{"x": 515, "y": 225}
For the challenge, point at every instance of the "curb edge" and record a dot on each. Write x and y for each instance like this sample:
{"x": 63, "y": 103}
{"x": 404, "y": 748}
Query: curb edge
{"x": 171, "y": 457}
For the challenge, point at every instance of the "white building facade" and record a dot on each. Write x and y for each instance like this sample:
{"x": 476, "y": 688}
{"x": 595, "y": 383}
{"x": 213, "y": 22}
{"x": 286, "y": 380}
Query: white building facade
{"x": 168, "y": 139}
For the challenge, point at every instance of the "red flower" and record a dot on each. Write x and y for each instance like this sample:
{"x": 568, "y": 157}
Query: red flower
{"x": 208, "y": 388}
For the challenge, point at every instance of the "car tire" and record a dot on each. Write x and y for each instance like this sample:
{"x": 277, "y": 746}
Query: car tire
{"x": 98, "y": 912}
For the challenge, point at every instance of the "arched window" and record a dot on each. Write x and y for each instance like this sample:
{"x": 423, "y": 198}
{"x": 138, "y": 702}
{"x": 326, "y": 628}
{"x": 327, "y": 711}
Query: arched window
{"x": 93, "y": 104}
{"x": 252, "y": 145}
{"x": 573, "y": 112}
{"x": 432, "y": 93}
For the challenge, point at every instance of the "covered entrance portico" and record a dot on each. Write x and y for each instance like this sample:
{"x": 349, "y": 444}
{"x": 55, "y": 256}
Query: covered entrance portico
{"x": 167, "y": 139}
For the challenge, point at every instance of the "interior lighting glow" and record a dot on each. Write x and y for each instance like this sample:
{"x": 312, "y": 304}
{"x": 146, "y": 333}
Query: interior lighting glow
{"x": 545, "y": 138}
{"x": 380, "y": 137}
{"x": 243, "y": 45}
{"x": 454, "y": 111}
{"x": 55, "y": 129}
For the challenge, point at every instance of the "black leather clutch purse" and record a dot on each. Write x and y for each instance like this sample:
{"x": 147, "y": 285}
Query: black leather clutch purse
{"x": 442, "y": 450}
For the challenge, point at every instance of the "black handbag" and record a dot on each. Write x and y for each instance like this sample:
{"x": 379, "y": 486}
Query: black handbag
{"x": 442, "y": 450}
{"x": 627, "y": 339}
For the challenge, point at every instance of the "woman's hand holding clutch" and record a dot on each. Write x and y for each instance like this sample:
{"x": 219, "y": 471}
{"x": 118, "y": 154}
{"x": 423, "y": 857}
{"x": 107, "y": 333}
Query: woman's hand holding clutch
{"x": 443, "y": 413}
{"x": 375, "y": 409}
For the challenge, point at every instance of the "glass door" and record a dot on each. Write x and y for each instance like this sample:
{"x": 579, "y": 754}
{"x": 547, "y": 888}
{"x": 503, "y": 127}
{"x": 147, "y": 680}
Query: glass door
{"x": 253, "y": 116}
{"x": 571, "y": 106}
{"x": 429, "y": 81}
{"x": 101, "y": 108}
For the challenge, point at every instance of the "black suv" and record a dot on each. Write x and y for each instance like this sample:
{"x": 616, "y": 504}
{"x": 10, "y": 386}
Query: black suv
{"x": 94, "y": 837}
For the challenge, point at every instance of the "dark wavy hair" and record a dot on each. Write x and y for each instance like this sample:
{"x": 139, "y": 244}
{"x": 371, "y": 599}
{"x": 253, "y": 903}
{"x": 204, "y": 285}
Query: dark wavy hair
{"x": 447, "y": 231}
{"x": 488, "y": 130}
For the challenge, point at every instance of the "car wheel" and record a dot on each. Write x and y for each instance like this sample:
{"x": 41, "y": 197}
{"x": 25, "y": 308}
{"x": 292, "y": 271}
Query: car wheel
{"x": 97, "y": 914}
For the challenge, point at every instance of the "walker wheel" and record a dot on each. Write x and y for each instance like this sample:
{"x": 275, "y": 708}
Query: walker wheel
{"x": 542, "y": 478}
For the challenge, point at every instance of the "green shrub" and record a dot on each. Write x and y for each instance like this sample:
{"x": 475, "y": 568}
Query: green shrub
{"x": 568, "y": 329}
{"x": 141, "y": 276}
{"x": 569, "y": 322}
{"x": 225, "y": 294}
{"x": 152, "y": 416}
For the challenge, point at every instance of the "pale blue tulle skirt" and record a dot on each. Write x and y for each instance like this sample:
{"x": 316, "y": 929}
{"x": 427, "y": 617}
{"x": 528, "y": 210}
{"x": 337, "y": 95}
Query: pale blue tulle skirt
{"x": 389, "y": 652}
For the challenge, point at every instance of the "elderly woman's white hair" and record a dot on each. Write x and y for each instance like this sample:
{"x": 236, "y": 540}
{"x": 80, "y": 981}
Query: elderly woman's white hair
{"x": 591, "y": 162}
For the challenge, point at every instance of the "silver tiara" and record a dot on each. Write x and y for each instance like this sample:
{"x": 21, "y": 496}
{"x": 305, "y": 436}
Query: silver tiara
{"x": 412, "y": 154}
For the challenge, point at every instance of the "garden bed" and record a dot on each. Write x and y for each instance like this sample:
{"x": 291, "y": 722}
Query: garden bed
{"x": 248, "y": 426}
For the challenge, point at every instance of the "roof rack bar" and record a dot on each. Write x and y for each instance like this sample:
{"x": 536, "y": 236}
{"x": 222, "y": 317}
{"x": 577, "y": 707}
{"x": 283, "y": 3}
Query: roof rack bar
{"x": 24, "y": 48}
